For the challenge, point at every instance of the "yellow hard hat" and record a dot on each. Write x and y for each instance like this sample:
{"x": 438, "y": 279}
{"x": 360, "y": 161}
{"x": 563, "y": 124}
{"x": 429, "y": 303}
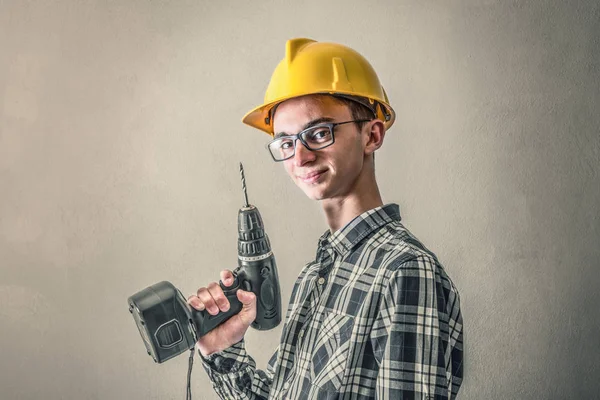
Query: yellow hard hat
{"x": 312, "y": 67}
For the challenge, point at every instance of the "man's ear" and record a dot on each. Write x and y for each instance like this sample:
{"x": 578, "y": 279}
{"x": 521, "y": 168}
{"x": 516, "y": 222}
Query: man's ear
{"x": 374, "y": 136}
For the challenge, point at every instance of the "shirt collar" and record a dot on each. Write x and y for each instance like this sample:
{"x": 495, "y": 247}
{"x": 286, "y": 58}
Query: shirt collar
{"x": 355, "y": 231}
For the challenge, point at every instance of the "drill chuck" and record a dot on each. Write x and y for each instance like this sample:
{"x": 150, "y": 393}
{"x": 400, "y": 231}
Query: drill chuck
{"x": 253, "y": 243}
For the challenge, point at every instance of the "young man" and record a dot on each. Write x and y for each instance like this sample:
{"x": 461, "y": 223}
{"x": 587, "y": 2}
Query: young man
{"x": 374, "y": 315}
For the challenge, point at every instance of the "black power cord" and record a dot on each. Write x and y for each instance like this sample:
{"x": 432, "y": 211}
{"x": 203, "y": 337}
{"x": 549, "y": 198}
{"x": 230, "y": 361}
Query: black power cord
{"x": 189, "y": 376}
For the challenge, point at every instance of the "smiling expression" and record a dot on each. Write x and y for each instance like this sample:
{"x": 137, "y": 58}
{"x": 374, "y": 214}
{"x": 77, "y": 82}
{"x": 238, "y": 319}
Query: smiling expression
{"x": 331, "y": 172}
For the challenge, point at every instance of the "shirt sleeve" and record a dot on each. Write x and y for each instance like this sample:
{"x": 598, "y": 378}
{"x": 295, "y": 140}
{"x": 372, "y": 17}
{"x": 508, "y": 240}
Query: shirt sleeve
{"x": 411, "y": 336}
{"x": 234, "y": 375}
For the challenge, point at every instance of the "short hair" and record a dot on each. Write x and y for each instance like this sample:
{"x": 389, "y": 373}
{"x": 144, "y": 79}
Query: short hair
{"x": 358, "y": 108}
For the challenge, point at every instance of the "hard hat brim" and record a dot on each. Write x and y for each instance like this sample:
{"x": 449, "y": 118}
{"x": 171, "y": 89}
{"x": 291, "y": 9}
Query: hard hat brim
{"x": 261, "y": 118}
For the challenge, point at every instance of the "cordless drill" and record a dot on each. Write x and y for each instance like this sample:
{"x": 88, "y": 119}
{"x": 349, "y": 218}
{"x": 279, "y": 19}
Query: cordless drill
{"x": 169, "y": 326}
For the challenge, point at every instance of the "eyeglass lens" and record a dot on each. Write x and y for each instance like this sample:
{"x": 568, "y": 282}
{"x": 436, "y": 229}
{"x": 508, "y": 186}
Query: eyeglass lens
{"x": 314, "y": 138}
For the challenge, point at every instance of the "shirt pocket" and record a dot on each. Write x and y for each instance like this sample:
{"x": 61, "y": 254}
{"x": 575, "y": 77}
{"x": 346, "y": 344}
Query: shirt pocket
{"x": 331, "y": 351}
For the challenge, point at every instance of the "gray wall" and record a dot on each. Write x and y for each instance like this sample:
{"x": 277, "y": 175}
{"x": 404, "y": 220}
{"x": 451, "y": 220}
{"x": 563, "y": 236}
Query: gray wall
{"x": 120, "y": 138}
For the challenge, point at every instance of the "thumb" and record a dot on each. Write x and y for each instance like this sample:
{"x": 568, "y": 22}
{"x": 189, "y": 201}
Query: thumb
{"x": 248, "y": 299}
{"x": 248, "y": 313}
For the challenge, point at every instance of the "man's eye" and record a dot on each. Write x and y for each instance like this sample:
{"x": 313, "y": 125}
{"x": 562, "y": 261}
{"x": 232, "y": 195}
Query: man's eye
{"x": 319, "y": 135}
{"x": 286, "y": 144}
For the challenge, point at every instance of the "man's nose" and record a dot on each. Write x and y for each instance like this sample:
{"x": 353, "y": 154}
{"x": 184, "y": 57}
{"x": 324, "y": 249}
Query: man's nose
{"x": 302, "y": 154}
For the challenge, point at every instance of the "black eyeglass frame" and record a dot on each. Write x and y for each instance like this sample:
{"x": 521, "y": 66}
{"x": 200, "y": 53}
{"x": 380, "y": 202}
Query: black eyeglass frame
{"x": 298, "y": 136}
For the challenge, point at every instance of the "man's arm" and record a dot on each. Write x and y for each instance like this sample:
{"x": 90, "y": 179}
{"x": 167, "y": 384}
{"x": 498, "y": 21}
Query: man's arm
{"x": 234, "y": 375}
{"x": 417, "y": 334}
{"x": 231, "y": 370}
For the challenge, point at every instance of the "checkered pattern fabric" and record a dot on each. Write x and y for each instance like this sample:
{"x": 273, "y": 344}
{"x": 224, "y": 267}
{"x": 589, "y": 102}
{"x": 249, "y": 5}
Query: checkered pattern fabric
{"x": 374, "y": 316}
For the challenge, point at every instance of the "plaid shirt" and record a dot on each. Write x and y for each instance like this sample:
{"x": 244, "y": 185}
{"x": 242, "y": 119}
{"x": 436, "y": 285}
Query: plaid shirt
{"x": 374, "y": 316}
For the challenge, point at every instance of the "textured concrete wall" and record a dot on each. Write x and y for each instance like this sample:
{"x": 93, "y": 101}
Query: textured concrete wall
{"x": 120, "y": 138}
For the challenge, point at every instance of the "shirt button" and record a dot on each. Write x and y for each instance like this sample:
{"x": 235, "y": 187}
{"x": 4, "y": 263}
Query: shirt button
{"x": 321, "y": 281}
{"x": 301, "y": 334}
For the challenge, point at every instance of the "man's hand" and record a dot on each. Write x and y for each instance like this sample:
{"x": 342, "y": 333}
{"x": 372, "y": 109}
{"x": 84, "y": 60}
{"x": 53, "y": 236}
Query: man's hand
{"x": 212, "y": 299}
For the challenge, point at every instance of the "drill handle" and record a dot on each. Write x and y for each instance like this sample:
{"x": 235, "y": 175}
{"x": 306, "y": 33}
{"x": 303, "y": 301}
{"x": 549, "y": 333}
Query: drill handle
{"x": 205, "y": 322}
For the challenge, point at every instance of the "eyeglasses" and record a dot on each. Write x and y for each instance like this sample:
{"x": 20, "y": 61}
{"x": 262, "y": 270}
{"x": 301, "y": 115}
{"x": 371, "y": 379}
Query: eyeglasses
{"x": 314, "y": 138}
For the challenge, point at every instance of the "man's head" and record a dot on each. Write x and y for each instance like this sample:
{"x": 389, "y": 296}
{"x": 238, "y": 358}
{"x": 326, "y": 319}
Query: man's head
{"x": 342, "y": 168}
{"x": 327, "y": 83}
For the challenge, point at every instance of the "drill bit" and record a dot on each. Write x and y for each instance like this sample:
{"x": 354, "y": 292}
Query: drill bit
{"x": 244, "y": 184}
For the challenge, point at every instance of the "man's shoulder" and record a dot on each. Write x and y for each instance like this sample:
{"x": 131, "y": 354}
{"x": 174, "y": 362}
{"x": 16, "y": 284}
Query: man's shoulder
{"x": 396, "y": 256}
{"x": 397, "y": 247}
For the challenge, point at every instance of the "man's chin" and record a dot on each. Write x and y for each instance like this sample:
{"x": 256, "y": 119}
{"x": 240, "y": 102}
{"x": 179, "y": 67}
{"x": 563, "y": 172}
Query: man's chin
{"x": 314, "y": 193}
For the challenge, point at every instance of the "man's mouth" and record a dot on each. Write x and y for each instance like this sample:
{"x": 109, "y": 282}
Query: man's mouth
{"x": 312, "y": 177}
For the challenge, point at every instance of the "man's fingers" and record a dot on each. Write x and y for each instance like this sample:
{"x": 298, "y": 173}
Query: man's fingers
{"x": 205, "y": 297}
{"x": 211, "y": 298}
{"x": 195, "y": 302}
{"x": 227, "y": 277}
{"x": 219, "y": 297}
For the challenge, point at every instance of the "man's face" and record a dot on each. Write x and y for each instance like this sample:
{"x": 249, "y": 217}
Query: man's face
{"x": 329, "y": 173}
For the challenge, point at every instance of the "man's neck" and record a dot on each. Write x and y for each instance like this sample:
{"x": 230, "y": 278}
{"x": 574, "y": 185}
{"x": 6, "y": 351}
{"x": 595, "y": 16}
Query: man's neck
{"x": 340, "y": 211}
